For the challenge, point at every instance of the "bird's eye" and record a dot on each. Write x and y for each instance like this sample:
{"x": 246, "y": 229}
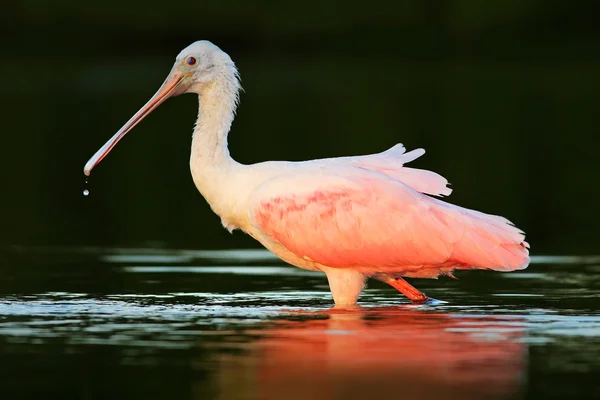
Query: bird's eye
{"x": 191, "y": 61}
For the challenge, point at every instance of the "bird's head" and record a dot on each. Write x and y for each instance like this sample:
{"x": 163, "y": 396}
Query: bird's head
{"x": 196, "y": 69}
{"x": 198, "y": 66}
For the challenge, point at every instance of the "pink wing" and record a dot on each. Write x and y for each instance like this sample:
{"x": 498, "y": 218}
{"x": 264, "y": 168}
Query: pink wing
{"x": 351, "y": 217}
{"x": 391, "y": 163}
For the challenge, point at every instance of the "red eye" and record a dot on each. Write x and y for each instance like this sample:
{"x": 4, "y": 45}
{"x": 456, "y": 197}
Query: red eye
{"x": 191, "y": 61}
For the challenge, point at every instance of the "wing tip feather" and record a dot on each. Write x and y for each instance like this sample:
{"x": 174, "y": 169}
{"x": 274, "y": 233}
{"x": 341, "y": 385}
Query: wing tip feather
{"x": 399, "y": 151}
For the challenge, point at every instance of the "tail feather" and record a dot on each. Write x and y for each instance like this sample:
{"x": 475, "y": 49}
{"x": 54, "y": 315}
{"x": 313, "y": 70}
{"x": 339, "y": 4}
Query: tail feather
{"x": 492, "y": 242}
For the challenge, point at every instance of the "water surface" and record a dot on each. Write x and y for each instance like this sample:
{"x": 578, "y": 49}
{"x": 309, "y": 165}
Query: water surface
{"x": 140, "y": 323}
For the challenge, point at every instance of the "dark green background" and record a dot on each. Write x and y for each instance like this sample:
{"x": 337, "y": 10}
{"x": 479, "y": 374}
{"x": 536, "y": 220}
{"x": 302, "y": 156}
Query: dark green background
{"x": 502, "y": 94}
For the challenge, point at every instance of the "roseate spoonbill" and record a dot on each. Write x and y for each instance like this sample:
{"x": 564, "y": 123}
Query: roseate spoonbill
{"x": 352, "y": 218}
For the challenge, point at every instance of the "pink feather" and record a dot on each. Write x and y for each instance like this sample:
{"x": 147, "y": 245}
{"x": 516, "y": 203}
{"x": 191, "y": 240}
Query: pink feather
{"x": 350, "y": 217}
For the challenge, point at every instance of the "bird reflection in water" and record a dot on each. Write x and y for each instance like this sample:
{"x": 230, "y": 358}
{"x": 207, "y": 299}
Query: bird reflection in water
{"x": 397, "y": 352}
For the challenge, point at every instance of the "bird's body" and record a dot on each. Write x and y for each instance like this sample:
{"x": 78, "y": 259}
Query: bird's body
{"x": 352, "y": 218}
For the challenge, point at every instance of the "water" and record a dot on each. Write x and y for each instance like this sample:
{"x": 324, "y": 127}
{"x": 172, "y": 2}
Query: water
{"x": 138, "y": 323}
{"x": 86, "y": 191}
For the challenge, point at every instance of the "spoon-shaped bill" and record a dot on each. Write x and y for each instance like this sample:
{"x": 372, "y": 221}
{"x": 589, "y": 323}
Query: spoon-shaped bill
{"x": 171, "y": 87}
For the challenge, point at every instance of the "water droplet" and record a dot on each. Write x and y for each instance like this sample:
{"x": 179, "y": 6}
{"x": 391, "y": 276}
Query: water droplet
{"x": 86, "y": 192}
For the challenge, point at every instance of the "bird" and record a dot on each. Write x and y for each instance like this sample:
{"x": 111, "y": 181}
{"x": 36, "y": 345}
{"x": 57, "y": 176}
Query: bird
{"x": 351, "y": 218}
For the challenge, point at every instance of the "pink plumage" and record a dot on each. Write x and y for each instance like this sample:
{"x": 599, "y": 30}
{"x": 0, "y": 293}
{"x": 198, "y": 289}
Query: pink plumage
{"x": 352, "y": 218}
{"x": 368, "y": 214}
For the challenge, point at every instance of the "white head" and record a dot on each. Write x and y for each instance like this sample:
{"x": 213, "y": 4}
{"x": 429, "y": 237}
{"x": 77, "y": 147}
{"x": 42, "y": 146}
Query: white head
{"x": 197, "y": 68}
{"x": 202, "y": 63}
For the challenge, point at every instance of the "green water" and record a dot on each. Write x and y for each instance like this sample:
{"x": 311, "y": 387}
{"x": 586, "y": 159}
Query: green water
{"x": 116, "y": 323}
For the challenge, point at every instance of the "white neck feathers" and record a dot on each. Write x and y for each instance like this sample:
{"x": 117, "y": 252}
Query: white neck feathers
{"x": 210, "y": 159}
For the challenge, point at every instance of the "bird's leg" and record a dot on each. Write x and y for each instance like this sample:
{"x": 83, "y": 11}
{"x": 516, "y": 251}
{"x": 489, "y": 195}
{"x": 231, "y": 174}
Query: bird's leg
{"x": 345, "y": 285}
{"x": 404, "y": 287}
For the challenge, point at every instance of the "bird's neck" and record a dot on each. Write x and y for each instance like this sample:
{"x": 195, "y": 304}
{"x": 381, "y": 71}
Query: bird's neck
{"x": 217, "y": 104}
{"x": 210, "y": 161}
